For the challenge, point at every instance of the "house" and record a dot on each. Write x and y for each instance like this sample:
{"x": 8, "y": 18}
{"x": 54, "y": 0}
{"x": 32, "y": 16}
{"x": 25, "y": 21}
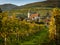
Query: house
{"x": 33, "y": 16}
{"x": 47, "y": 19}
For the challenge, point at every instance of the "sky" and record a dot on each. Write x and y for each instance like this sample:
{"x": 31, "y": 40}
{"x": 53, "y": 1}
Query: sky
{"x": 18, "y": 2}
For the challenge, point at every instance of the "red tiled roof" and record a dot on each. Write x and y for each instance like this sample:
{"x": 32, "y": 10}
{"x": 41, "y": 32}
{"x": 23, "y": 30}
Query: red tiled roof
{"x": 33, "y": 15}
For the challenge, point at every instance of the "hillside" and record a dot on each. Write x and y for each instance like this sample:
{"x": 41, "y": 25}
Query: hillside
{"x": 5, "y": 7}
{"x": 40, "y": 4}
{"x": 31, "y": 5}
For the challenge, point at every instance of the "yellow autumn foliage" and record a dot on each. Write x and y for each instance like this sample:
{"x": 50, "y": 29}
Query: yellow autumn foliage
{"x": 52, "y": 26}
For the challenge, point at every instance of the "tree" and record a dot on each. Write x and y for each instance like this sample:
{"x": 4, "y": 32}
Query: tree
{"x": 54, "y": 29}
{"x": 0, "y": 10}
{"x": 0, "y": 18}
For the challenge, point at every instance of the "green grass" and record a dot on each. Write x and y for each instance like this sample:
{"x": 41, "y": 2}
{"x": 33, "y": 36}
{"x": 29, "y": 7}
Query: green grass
{"x": 39, "y": 38}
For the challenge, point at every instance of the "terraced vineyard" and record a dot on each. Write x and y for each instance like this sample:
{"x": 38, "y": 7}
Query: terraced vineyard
{"x": 16, "y": 32}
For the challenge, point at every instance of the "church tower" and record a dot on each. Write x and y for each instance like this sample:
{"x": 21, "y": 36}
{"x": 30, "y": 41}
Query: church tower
{"x": 28, "y": 13}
